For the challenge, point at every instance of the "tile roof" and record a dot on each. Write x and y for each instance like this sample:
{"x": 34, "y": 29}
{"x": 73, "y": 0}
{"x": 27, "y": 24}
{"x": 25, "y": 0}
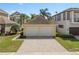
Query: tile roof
{"x": 4, "y": 12}
{"x": 39, "y": 20}
{"x": 69, "y": 9}
{"x": 6, "y": 21}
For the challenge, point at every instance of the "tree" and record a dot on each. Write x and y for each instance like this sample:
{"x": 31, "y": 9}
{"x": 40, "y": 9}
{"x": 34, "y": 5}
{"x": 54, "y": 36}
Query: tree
{"x": 23, "y": 17}
{"x": 33, "y": 15}
{"x": 14, "y": 29}
{"x": 3, "y": 29}
{"x": 27, "y": 18}
{"x": 44, "y": 12}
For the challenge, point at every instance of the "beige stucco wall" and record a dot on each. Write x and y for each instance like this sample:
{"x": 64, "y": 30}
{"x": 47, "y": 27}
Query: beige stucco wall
{"x": 66, "y": 24}
{"x": 63, "y": 30}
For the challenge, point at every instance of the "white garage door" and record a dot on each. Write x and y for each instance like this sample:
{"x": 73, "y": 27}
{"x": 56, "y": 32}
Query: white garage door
{"x": 31, "y": 31}
{"x": 37, "y": 31}
{"x": 45, "y": 31}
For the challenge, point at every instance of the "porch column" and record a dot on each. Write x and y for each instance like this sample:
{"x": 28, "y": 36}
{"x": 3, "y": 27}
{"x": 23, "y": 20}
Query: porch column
{"x": 72, "y": 16}
{"x": 66, "y": 15}
{"x": 61, "y": 16}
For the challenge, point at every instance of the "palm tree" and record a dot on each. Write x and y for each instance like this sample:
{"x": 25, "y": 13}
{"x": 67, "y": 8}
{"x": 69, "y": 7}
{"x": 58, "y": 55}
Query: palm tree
{"x": 23, "y": 17}
{"x": 44, "y": 12}
{"x": 27, "y": 18}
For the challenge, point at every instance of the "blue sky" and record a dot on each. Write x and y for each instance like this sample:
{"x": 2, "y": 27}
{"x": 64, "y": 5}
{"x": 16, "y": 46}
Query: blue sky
{"x": 29, "y": 8}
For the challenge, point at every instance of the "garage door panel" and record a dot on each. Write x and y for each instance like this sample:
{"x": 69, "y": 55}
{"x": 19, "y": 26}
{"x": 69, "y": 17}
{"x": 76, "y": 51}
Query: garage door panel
{"x": 45, "y": 31}
{"x": 31, "y": 31}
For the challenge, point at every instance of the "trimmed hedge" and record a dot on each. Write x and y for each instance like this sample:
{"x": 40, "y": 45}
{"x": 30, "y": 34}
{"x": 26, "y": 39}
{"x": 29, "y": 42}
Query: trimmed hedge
{"x": 64, "y": 36}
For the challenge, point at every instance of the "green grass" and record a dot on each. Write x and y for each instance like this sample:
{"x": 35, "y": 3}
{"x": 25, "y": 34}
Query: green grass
{"x": 71, "y": 44}
{"x": 9, "y": 45}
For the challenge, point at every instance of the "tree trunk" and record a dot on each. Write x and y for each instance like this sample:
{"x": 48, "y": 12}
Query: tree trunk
{"x": 3, "y": 29}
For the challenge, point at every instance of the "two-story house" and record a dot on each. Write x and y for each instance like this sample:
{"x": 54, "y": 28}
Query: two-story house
{"x": 67, "y": 21}
{"x": 15, "y": 17}
{"x": 5, "y": 22}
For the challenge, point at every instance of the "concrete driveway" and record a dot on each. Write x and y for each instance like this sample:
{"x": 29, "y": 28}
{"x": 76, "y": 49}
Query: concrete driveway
{"x": 41, "y": 46}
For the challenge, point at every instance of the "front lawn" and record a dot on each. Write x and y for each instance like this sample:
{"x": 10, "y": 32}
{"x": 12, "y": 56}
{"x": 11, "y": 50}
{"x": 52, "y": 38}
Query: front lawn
{"x": 70, "y": 43}
{"x": 9, "y": 45}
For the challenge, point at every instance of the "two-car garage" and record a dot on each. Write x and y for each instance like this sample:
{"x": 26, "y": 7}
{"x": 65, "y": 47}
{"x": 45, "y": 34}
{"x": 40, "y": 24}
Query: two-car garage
{"x": 39, "y": 30}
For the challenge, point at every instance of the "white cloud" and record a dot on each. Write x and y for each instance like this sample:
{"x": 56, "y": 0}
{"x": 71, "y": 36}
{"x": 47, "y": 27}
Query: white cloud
{"x": 13, "y": 11}
{"x": 10, "y": 12}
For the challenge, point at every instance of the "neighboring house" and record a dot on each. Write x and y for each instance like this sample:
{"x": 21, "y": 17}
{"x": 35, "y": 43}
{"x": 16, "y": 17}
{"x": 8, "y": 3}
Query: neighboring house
{"x": 5, "y": 22}
{"x": 67, "y": 21}
{"x": 15, "y": 17}
{"x": 39, "y": 26}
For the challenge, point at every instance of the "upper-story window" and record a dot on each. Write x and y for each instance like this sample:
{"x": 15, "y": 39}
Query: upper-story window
{"x": 68, "y": 16}
{"x": 58, "y": 17}
{"x": 76, "y": 17}
{"x": 64, "y": 16}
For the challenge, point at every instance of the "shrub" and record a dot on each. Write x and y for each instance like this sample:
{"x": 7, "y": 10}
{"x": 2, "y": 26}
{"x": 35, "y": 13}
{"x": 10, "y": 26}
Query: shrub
{"x": 64, "y": 36}
{"x": 14, "y": 29}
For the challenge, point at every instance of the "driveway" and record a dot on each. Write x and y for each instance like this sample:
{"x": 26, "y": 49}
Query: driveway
{"x": 41, "y": 46}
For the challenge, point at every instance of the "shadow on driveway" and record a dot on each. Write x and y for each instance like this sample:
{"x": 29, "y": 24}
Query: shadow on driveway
{"x": 37, "y": 37}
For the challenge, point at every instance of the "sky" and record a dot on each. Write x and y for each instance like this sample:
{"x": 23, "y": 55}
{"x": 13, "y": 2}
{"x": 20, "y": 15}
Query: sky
{"x": 30, "y": 8}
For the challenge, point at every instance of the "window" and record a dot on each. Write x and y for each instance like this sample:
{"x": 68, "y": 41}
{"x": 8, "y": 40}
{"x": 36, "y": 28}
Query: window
{"x": 76, "y": 17}
{"x": 58, "y": 17}
{"x": 60, "y": 26}
{"x": 68, "y": 16}
{"x": 64, "y": 16}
